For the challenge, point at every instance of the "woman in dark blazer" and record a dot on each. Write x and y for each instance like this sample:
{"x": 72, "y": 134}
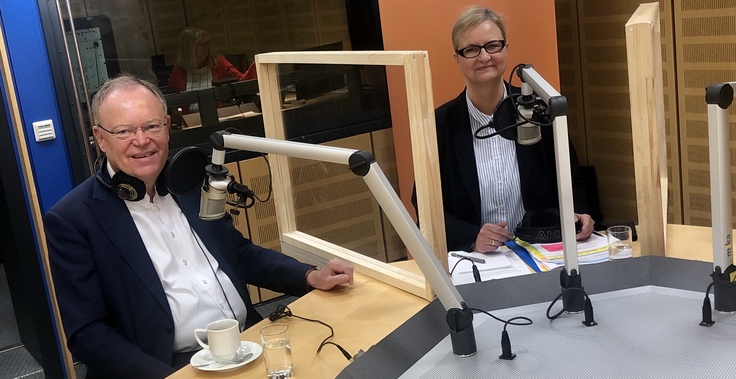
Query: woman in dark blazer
{"x": 488, "y": 184}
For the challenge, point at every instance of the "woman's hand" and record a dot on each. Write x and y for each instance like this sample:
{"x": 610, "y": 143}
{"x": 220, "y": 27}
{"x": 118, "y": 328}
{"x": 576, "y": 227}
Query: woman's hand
{"x": 587, "y": 226}
{"x": 491, "y": 237}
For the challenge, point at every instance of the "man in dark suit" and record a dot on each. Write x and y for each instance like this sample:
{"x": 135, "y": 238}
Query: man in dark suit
{"x": 134, "y": 276}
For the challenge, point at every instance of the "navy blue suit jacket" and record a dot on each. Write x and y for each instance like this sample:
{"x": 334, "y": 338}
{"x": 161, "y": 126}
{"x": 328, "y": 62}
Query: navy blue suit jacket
{"x": 459, "y": 175}
{"x": 113, "y": 307}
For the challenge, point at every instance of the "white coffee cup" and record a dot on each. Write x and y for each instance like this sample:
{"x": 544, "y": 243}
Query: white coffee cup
{"x": 223, "y": 337}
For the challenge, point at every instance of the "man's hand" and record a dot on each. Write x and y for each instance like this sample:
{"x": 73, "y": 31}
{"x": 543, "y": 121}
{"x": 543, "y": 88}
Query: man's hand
{"x": 491, "y": 237}
{"x": 334, "y": 273}
{"x": 587, "y": 228}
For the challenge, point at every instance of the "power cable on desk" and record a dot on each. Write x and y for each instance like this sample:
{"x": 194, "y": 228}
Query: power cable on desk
{"x": 505, "y": 341}
{"x": 707, "y": 312}
{"x": 284, "y": 311}
{"x": 588, "y": 307}
{"x": 476, "y": 272}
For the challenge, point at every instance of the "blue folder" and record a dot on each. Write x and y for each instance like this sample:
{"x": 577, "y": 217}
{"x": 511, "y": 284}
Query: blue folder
{"x": 523, "y": 254}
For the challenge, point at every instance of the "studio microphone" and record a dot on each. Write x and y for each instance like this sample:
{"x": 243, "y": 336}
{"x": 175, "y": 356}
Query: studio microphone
{"x": 218, "y": 184}
{"x": 213, "y": 195}
{"x": 528, "y": 133}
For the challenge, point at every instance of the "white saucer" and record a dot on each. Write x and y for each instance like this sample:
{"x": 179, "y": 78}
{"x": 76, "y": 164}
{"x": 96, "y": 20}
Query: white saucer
{"x": 203, "y": 356}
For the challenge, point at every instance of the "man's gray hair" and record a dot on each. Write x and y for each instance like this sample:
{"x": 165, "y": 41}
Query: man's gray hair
{"x": 122, "y": 81}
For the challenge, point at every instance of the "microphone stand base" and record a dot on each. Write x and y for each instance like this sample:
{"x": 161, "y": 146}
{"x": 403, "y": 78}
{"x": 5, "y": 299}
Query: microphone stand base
{"x": 724, "y": 290}
{"x": 462, "y": 335}
{"x": 572, "y": 301}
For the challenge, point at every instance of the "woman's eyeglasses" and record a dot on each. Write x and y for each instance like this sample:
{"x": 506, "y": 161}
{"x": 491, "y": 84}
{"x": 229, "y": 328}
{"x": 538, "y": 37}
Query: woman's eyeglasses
{"x": 124, "y": 134}
{"x": 473, "y": 51}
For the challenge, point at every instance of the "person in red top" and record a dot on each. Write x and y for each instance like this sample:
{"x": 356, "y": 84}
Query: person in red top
{"x": 197, "y": 65}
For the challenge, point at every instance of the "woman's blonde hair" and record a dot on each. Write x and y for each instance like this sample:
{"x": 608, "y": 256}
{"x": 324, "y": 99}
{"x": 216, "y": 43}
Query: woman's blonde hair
{"x": 186, "y": 57}
{"x": 472, "y": 17}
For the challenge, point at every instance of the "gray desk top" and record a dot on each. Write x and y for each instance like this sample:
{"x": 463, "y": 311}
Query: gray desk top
{"x": 395, "y": 354}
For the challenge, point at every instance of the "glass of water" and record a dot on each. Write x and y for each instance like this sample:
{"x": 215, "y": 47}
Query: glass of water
{"x": 277, "y": 351}
{"x": 619, "y": 242}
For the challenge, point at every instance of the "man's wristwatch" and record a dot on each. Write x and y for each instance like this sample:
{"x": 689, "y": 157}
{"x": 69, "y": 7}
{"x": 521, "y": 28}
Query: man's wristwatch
{"x": 306, "y": 276}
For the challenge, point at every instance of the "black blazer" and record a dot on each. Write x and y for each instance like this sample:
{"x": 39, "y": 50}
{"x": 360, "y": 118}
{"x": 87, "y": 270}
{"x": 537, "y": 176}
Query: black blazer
{"x": 113, "y": 307}
{"x": 459, "y": 176}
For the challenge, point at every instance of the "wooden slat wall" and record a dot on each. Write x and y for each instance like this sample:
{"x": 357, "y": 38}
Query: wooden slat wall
{"x": 600, "y": 75}
{"x": 571, "y": 77}
{"x": 236, "y": 26}
{"x": 706, "y": 54}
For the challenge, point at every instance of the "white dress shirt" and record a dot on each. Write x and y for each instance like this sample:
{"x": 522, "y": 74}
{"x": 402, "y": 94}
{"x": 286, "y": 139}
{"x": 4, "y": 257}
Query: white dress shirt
{"x": 186, "y": 269}
{"x": 498, "y": 173}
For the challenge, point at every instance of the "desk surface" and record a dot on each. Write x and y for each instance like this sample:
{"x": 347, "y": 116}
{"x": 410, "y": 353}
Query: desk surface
{"x": 366, "y": 313}
{"x": 361, "y": 316}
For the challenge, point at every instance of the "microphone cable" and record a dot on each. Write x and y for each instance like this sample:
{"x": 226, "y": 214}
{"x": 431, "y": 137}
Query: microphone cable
{"x": 707, "y": 312}
{"x": 284, "y": 311}
{"x": 215, "y": 275}
{"x": 245, "y": 198}
{"x": 587, "y": 308}
{"x": 476, "y": 272}
{"x": 506, "y": 353}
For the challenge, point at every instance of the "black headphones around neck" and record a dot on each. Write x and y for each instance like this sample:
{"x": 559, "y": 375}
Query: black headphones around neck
{"x": 125, "y": 186}
{"x": 541, "y": 227}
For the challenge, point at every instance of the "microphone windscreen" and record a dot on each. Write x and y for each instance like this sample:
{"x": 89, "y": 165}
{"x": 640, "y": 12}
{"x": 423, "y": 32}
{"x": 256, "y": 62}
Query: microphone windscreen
{"x": 212, "y": 205}
{"x": 186, "y": 170}
{"x": 529, "y": 134}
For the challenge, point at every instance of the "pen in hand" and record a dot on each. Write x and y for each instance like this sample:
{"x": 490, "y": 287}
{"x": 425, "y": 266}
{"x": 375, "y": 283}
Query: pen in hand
{"x": 473, "y": 259}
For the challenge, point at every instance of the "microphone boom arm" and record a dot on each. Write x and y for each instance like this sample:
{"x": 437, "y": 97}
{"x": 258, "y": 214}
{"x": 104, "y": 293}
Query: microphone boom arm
{"x": 363, "y": 164}
{"x": 557, "y": 111}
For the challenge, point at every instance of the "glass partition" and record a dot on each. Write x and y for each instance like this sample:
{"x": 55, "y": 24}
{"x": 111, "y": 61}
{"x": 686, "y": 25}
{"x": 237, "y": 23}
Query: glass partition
{"x": 201, "y": 54}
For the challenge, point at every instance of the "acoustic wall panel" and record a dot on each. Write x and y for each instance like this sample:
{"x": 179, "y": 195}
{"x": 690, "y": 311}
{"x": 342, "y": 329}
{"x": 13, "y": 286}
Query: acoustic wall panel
{"x": 336, "y": 205}
{"x": 240, "y": 28}
{"x": 706, "y": 54}
{"x": 331, "y": 203}
{"x": 167, "y": 18}
{"x": 241, "y": 224}
{"x": 607, "y": 114}
{"x": 571, "y": 76}
{"x": 383, "y": 150}
{"x": 332, "y": 22}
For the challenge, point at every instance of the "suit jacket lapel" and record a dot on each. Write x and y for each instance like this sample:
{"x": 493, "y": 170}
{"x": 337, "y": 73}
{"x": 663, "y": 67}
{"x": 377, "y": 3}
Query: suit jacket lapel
{"x": 463, "y": 140}
{"x": 126, "y": 240}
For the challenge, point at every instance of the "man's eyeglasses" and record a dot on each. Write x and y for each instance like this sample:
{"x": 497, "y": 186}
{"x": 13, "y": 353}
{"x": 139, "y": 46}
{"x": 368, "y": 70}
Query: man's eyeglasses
{"x": 124, "y": 134}
{"x": 473, "y": 51}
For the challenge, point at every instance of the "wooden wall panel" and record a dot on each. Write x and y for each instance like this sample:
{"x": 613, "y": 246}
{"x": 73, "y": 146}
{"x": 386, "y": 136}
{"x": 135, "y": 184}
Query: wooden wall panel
{"x": 240, "y": 27}
{"x": 143, "y": 28}
{"x": 706, "y": 51}
{"x": 331, "y": 21}
{"x": 606, "y": 115}
{"x": 571, "y": 76}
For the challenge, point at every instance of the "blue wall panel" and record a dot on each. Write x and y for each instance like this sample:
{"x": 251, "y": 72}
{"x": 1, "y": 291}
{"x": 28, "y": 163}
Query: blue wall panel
{"x": 36, "y": 97}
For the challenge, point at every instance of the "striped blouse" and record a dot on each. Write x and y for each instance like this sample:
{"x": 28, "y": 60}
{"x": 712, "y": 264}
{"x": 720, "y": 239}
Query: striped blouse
{"x": 498, "y": 173}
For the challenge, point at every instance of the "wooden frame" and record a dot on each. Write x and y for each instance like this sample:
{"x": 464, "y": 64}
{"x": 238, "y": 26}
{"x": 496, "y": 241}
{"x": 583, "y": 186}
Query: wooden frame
{"x": 644, "y": 58}
{"x": 424, "y": 148}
